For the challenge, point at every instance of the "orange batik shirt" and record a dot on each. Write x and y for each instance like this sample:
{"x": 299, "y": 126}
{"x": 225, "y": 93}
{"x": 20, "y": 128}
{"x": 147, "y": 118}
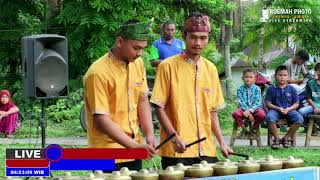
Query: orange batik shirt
{"x": 113, "y": 88}
{"x": 188, "y": 92}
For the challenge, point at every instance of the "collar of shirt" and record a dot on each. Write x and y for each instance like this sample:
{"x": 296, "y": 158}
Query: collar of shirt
{"x": 164, "y": 41}
{"x": 246, "y": 87}
{"x": 115, "y": 60}
{"x": 277, "y": 87}
{"x": 189, "y": 60}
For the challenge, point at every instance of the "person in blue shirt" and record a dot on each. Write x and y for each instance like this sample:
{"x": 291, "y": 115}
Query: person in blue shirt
{"x": 282, "y": 101}
{"x": 167, "y": 45}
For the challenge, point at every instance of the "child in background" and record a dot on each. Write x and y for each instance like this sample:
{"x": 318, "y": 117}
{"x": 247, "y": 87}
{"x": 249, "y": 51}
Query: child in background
{"x": 249, "y": 97}
{"x": 282, "y": 101}
{"x": 313, "y": 98}
{"x": 8, "y": 114}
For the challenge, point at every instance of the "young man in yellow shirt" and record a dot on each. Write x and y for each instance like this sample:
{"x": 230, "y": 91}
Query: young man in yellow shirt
{"x": 187, "y": 94}
{"x": 115, "y": 96}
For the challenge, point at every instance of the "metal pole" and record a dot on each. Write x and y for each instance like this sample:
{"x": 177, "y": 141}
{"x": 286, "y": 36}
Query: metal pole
{"x": 43, "y": 125}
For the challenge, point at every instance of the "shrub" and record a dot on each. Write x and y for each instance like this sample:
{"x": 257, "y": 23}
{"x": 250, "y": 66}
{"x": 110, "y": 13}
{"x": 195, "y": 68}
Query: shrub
{"x": 57, "y": 110}
{"x": 225, "y": 117}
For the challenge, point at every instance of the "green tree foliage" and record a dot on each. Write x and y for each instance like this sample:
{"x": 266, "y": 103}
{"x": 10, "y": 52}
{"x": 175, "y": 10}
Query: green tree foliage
{"x": 92, "y": 25}
{"x": 277, "y": 62}
{"x": 18, "y": 19}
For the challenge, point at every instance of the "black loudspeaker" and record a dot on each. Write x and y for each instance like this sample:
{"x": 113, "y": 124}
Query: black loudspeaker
{"x": 45, "y": 66}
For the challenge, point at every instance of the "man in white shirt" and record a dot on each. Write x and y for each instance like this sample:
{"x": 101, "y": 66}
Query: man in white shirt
{"x": 297, "y": 66}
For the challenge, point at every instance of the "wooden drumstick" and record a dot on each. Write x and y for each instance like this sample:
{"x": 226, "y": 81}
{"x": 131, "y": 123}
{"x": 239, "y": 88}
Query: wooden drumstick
{"x": 165, "y": 141}
{"x": 195, "y": 142}
{"x": 241, "y": 155}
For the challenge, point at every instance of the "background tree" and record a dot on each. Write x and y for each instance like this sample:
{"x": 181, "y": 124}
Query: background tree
{"x": 91, "y": 25}
{"x": 237, "y": 18}
{"x": 304, "y": 34}
{"x": 226, "y": 37}
{"x": 18, "y": 19}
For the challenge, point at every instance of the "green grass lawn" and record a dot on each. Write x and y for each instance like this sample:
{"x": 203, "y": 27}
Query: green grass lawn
{"x": 311, "y": 156}
{"x": 71, "y": 128}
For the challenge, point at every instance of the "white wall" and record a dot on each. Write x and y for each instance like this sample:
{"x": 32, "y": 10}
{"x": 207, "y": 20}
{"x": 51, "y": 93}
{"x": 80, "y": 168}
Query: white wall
{"x": 237, "y": 74}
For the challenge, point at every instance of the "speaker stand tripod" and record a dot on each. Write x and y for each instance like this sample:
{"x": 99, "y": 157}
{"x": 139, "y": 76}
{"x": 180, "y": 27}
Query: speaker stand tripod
{"x": 42, "y": 124}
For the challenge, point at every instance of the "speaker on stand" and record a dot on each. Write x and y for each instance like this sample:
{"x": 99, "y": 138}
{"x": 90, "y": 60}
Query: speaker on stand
{"x": 45, "y": 70}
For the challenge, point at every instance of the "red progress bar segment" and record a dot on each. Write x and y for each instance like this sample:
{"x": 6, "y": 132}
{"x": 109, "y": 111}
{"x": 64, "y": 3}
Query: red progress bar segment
{"x": 27, "y": 163}
{"x": 103, "y": 153}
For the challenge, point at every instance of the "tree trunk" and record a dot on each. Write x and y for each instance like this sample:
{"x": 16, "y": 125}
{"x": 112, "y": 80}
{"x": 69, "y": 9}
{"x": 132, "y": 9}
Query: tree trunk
{"x": 52, "y": 8}
{"x": 228, "y": 71}
{"x": 237, "y": 20}
{"x": 240, "y": 18}
{"x": 222, "y": 39}
{"x": 287, "y": 44}
{"x": 227, "y": 58}
{"x": 262, "y": 63}
{"x": 228, "y": 36}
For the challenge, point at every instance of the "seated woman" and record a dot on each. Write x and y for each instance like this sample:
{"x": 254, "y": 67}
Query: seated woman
{"x": 8, "y": 114}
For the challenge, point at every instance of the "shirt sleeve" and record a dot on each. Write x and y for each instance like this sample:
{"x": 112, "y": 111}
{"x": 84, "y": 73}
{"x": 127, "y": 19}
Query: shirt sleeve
{"x": 308, "y": 92}
{"x": 218, "y": 100}
{"x": 241, "y": 99}
{"x": 257, "y": 99}
{"x": 160, "y": 93}
{"x": 96, "y": 94}
{"x": 269, "y": 95}
{"x": 154, "y": 53}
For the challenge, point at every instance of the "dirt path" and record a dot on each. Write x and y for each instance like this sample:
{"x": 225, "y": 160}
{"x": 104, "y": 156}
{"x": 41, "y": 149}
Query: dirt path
{"x": 73, "y": 141}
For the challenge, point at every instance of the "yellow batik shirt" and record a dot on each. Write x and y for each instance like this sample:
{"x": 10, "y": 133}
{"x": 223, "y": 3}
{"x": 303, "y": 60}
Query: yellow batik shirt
{"x": 188, "y": 92}
{"x": 113, "y": 87}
